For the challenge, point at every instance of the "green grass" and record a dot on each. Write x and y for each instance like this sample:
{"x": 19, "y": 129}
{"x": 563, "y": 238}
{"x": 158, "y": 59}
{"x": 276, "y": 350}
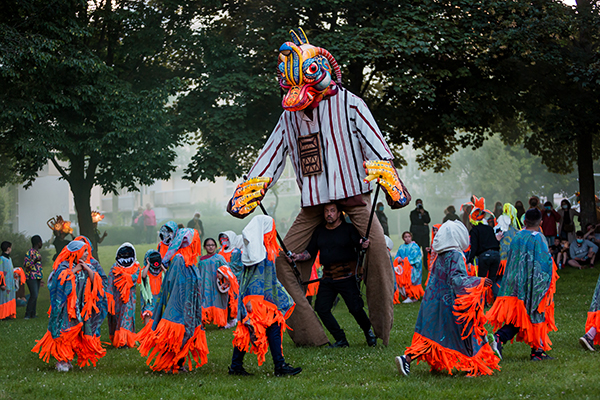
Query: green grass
{"x": 356, "y": 372}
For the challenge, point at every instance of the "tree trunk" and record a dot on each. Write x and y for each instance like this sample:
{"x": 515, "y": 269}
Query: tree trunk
{"x": 585, "y": 169}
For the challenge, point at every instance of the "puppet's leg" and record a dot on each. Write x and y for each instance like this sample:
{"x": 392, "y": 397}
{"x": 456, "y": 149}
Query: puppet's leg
{"x": 379, "y": 277}
{"x": 307, "y": 330}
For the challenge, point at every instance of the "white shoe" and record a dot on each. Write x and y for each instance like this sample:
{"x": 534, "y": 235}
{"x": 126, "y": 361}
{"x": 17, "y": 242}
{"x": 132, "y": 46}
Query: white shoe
{"x": 231, "y": 324}
{"x": 408, "y": 301}
{"x": 62, "y": 366}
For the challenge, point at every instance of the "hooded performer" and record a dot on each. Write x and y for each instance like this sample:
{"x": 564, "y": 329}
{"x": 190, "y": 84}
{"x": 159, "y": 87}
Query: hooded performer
{"x": 72, "y": 285}
{"x": 264, "y": 304}
{"x": 152, "y": 276}
{"x": 525, "y": 304}
{"x": 230, "y": 244}
{"x": 450, "y": 331}
{"x": 217, "y": 304}
{"x": 331, "y": 137}
{"x": 98, "y": 306}
{"x": 123, "y": 276}
{"x": 177, "y": 334}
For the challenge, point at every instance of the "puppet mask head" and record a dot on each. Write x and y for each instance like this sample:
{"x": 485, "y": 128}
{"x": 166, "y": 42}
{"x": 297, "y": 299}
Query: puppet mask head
{"x": 306, "y": 73}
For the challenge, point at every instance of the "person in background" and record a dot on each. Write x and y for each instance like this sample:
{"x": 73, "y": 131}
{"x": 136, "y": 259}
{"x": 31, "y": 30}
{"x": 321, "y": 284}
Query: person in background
{"x": 498, "y": 209}
{"x": 550, "y": 219}
{"x": 382, "y": 218}
{"x": 137, "y": 221}
{"x": 419, "y": 225}
{"x": 97, "y": 239}
{"x": 556, "y": 253}
{"x": 450, "y": 214}
{"x": 149, "y": 224}
{"x": 410, "y": 258}
{"x": 210, "y": 245}
{"x": 520, "y": 209}
{"x": 484, "y": 244}
{"x": 60, "y": 239}
{"x": 33, "y": 275}
{"x": 592, "y": 234}
{"x": 566, "y": 227}
{"x": 592, "y": 324}
{"x": 582, "y": 252}
{"x": 196, "y": 224}
{"x": 8, "y": 304}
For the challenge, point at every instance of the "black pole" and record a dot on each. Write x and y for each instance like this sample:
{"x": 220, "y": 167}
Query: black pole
{"x": 363, "y": 252}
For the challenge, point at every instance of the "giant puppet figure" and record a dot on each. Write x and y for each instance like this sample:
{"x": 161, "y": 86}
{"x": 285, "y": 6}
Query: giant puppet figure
{"x": 336, "y": 149}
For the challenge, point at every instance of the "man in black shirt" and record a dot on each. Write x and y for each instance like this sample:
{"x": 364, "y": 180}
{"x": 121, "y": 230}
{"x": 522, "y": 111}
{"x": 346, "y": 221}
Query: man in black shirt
{"x": 485, "y": 247}
{"x": 338, "y": 243}
{"x": 419, "y": 225}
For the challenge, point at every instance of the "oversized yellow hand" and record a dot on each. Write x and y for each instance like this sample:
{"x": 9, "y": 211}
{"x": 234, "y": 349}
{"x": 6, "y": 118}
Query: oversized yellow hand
{"x": 248, "y": 196}
{"x": 387, "y": 177}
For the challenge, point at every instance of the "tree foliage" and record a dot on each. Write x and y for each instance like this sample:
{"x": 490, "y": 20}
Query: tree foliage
{"x": 86, "y": 85}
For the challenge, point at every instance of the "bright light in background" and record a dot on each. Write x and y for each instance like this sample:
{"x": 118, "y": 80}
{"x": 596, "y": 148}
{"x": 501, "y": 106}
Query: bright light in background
{"x": 570, "y": 2}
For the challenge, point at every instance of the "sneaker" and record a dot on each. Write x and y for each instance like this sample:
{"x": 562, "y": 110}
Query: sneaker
{"x": 287, "y": 370}
{"x": 371, "y": 338}
{"x": 542, "y": 356}
{"x": 27, "y": 317}
{"x": 403, "y": 365}
{"x": 62, "y": 366}
{"x": 495, "y": 344}
{"x": 587, "y": 343}
{"x": 340, "y": 343}
{"x": 408, "y": 301}
{"x": 239, "y": 371}
{"x": 231, "y": 324}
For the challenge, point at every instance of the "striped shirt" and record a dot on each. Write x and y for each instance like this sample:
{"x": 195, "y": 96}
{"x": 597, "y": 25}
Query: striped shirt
{"x": 348, "y": 136}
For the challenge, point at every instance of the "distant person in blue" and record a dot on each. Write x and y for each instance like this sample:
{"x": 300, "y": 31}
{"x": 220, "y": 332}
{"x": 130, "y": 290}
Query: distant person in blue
{"x": 412, "y": 272}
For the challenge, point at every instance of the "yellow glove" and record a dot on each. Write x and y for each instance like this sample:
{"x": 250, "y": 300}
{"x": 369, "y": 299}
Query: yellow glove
{"x": 247, "y": 196}
{"x": 387, "y": 177}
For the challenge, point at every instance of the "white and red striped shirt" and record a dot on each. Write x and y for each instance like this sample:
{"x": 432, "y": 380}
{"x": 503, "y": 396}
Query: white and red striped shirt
{"x": 349, "y": 136}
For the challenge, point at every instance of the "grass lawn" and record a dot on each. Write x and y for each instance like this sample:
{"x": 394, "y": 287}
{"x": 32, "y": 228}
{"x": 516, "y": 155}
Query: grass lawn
{"x": 355, "y": 372}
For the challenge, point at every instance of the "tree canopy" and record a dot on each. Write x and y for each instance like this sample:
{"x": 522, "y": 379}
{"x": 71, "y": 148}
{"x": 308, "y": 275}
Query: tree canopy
{"x": 86, "y": 85}
{"x": 440, "y": 75}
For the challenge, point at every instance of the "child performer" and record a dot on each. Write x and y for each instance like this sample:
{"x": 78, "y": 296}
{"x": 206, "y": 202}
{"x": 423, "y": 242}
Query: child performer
{"x": 122, "y": 279}
{"x": 8, "y": 303}
{"x": 177, "y": 334}
{"x": 214, "y": 302}
{"x": 525, "y": 304}
{"x": 410, "y": 259}
{"x": 450, "y": 331}
{"x": 72, "y": 284}
{"x": 264, "y": 303}
{"x": 152, "y": 277}
{"x": 591, "y": 337}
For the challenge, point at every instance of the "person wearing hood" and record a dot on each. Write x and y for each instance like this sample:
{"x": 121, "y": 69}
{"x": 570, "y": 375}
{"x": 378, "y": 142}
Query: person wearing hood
{"x": 123, "y": 277}
{"x": 264, "y": 304}
{"x": 506, "y": 229}
{"x": 450, "y": 333}
{"x": 230, "y": 242}
{"x": 566, "y": 225}
{"x": 152, "y": 276}
{"x": 166, "y": 234}
{"x": 75, "y": 289}
{"x": 525, "y": 304}
{"x": 176, "y": 335}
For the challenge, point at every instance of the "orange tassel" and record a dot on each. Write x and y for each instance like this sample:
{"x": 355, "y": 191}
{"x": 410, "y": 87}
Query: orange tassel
{"x": 111, "y": 303}
{"x": 8, "y": 309}
{"x": 67, "y": 274}
{"x": 155, "y": 283}
{"x": 89, "y": 350}
{"x": 123, "y": 279}
{"x": 19, "y": 273}
{"x": 61, "y": 348}
{"x": 469, "y": 308}
{"x": 93, "y": 291}
{"x": 593, "y": 321}
{"x": 214, "y": 315}
{"x": 441, "y": 358}
{"x": 2, "y": 280}
{"x": 501, "y": 268}
{"x": 123, "y": 337}
{"x": 271, "y": 244}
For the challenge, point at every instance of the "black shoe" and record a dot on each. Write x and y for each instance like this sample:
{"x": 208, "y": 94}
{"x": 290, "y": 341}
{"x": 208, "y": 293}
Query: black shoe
{"x": 403, "y": 365}
{"x": 239, "y": 371}
{"x": 542, "y": 356}
{"x": 340, "y": 343}
{"x": 371, "y": 338}
{"x": 287, "y": 370}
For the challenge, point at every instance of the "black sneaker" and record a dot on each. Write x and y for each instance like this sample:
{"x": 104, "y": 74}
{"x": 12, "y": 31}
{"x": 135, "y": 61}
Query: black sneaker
{"x": 371, "y": 338}
{"x": 287, "y": 370}
{"x": 340, "y": 343}
{"x": 495, "y": 344}
{"x": 239, "y": 371}
{"x": 540, "y": 357}
{"x": 403, "y": 365}
{"x": 587, "y": 343}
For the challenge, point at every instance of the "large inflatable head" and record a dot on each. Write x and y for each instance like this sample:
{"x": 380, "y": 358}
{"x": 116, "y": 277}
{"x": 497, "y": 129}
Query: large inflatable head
{"x": 306, "y": 73}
